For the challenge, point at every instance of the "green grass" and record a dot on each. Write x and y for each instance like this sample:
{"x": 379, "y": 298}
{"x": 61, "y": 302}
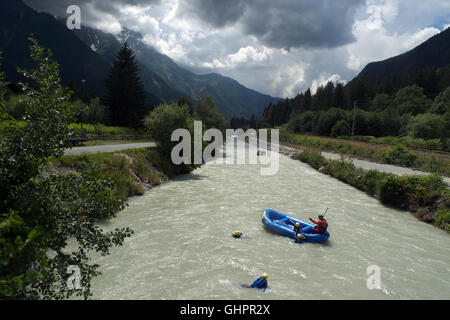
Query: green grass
{"x": 443, "y": 219}
{"x": 121, "y": 170}
{"x": 100, "y": 129}
{"x": 407, "y": 141}
{"x": 91, "y": 129}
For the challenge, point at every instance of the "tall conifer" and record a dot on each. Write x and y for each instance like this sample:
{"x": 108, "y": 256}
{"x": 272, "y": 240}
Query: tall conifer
{"x": 126, "y": 96}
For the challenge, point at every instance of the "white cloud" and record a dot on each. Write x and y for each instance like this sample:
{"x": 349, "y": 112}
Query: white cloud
{"x": 323, "y": 79}
{"x": 374, "y": 42}
{"x": 250, "y": 54}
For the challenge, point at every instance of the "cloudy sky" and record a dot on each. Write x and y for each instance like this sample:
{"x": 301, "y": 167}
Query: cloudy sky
{"x": 277, "y": 47}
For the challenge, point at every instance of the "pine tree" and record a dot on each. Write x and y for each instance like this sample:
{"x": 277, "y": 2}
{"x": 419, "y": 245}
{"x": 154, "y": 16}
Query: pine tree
{"x": 126, "y": 96}
{"x": 339, "y": 96}
{"x": 308, "y": 99}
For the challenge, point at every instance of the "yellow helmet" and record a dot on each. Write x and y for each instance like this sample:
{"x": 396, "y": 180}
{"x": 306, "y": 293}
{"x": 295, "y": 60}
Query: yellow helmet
{"x": 301, "y": 236}
{"x": 237, "y": 233}
{"x": 297, "y": 224}
{"x": 264, "y": 275}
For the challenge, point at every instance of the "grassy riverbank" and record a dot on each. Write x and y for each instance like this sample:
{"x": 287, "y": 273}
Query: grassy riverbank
{"x": 92, "y": 143}
{"x": 427, "y": 197}
{"x": 131, "y": 171}
{"x": 396, "y": 155}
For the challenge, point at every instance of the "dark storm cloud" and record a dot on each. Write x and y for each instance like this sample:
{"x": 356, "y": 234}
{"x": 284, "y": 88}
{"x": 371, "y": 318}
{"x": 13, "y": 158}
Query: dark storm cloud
{"x": 277, "y": 24}
{"x": 282, "y": 23}
{"x": 59, "y": 7}
{"x": 216, "y": 13}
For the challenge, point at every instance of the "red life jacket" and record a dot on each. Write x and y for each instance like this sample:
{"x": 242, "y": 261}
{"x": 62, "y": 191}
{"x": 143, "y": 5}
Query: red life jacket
{"x": 321, "y": 226}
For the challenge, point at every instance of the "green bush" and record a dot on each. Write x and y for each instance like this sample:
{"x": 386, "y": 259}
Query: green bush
{"x": 399, "y": 155}
{"x": 313, "y": 159}
{"x": 442, "y": 219}
{"x": 414, "y": 190}
{"x": 343, "y": 170}
{"x": 118, "y": 169}
{"x": 441, "y": 103}
{"x": 93, "y": 112}
{"x": 369, "y": 181}
{"x": 426, "y": 126}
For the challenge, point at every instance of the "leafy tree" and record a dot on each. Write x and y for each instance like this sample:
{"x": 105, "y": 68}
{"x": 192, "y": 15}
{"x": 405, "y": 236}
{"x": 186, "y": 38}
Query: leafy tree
{"x": 41, "y": 213}
{"x": 445, "y": 134}
{"x": 185, "y": 100}
{"x": 126, "y": 96}
{"x": 93, "y": 112}
{"x": 161, "y": 123}
{"x": 302, "y": 122}
{"x": 389, "y": 123}
{"x": 426, "y": 126}
{"x": 327, "y": 120}
{"x": 411, "y": 100}
{"x": 441, "y": 103}
{"x": 381, "y": 101}
{"x": 341, "y": 128}
{"x": 207, "y": 111}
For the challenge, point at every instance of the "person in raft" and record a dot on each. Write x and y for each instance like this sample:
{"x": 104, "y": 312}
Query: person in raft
{"x": 297, "y": 228}
{"x": 321, "y": 225}
{"x": 299, "y": 238}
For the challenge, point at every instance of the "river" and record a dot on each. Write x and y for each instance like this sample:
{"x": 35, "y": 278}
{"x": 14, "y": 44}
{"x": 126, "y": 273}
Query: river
{"x": 183, "y": 249}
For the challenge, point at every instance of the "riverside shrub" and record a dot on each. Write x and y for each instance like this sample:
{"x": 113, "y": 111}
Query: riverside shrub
{"x": 399, "y": 155}
{"x": 442, "y": 219}
{"x": 313, "y": 159}
{"x": 420, "y": 191}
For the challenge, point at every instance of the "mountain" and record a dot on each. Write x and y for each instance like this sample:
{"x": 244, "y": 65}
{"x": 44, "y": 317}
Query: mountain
{"x": 87, "y": 54}
{"x": 427, "y": 65}
{"x": 77, "y": 62}
{"x": 106, "y": 45}
{"x": 233, "y": 99}
{"x": 434, "y": 53}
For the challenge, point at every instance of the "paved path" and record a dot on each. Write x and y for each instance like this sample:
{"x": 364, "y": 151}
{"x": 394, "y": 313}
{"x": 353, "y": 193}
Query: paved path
{"x": 107, "y": 148}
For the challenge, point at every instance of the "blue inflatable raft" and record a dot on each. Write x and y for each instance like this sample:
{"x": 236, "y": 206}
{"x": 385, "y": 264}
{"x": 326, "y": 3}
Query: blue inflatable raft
{"x": 284, "y": 225}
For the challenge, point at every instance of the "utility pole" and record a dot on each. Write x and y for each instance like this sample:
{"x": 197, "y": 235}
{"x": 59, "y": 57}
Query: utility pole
{"x": 354, "y": 114}
{"x": 83, "y": 82}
